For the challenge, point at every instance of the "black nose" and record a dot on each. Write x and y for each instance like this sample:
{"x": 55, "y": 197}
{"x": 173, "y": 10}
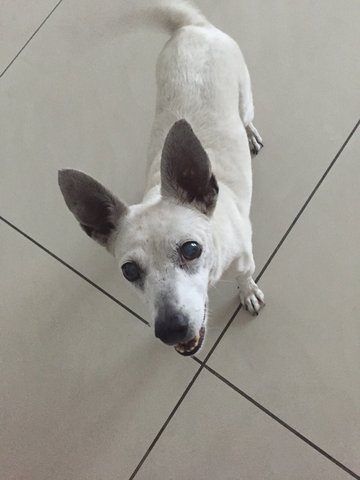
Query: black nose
{"x": 171, "y": 327}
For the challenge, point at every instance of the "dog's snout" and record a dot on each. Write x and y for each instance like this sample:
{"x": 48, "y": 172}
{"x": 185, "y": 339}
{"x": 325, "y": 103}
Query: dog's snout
{"x": 171, "y": 327}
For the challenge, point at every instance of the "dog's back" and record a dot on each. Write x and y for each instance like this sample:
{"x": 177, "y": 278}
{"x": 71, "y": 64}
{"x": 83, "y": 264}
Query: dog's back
{"x": 199, "y": 72}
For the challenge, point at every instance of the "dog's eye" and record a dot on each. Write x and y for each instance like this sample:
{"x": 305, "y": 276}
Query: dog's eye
{"x": 190, "y": 250}
{"x": 131, "y": 271}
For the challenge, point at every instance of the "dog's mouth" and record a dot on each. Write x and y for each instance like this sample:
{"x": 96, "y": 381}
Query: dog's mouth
{"x": 193, "y": 345}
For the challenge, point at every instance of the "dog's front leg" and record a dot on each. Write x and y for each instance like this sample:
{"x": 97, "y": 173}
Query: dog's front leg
{"x": 251, "y": 297}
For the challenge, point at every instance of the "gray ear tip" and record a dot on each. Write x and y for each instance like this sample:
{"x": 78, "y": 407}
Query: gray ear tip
{"x": 182, "y": 123}
{"x": 67, "y": 171}
{"x": 67, "y": 179}
{"x": 63, "y": 176}
{"x": 60, "y": 177}
{"x": 67, "y": 174}
{"x": 63, "y": 172}
{"x": 181, "y": 129}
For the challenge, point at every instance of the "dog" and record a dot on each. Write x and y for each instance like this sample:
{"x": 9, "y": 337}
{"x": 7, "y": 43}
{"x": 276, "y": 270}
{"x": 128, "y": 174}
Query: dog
{"x": 192, "y": 226}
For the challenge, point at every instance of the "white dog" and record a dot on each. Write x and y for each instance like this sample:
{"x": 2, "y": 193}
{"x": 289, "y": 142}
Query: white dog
{"x": 193, "y": 223}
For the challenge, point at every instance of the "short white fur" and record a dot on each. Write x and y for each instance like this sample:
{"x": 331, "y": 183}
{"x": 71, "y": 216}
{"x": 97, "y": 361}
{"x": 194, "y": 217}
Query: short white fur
{"x": 210, "y": 99}
{"x": 201, "y": 77}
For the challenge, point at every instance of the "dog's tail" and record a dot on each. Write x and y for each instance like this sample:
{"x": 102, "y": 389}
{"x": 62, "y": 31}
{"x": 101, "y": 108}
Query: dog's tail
{"x": 167, "y": 15}
{"x": 172, "y": 15}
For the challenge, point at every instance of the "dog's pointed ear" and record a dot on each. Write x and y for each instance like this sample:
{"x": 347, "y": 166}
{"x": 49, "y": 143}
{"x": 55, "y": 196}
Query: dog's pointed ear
{"x": 97, "y": 210}
{"x": 186, "y": 170}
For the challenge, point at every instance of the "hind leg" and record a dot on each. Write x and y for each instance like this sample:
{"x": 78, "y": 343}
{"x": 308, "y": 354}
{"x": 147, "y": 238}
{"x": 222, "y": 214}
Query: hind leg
{"x": 246, "y": 110}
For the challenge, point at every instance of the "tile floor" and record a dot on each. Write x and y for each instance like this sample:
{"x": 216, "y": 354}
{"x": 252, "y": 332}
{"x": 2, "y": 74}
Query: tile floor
{"x": 86, "y": 392}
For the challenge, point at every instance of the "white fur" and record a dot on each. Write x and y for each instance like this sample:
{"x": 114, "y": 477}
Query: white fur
{"x": 202, "y": 77}
{"x": 149, "y": 235}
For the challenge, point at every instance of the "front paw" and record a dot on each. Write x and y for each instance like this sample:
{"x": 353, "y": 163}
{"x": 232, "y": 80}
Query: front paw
{"x": 251, "y": 297}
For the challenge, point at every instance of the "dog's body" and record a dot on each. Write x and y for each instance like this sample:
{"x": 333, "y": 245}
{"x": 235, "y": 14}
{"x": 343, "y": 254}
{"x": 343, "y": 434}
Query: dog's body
{"x": 193, "y": 224}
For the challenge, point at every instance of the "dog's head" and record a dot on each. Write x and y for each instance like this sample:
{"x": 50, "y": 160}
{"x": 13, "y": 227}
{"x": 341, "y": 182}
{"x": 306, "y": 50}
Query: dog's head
{"x": 164, "y": 247}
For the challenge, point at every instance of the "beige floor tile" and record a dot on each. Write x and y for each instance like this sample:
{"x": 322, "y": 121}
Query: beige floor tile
{"x": 304, "y": 68}
{"x": 84, "y": 387}
{"x": 18, "y": 21}
{"x": 217, "y": 434}
{"x": 301, "y": 356}
{"x": 300, "y": 92}
{"x": 83, "y": 96}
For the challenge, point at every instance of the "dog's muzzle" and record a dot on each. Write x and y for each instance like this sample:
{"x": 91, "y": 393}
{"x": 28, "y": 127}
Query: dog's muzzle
{"x": 173, "y": 329}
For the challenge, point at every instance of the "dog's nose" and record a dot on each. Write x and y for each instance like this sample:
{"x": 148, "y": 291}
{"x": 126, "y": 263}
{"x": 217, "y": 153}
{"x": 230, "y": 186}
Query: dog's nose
{"x": 172, "y": 329}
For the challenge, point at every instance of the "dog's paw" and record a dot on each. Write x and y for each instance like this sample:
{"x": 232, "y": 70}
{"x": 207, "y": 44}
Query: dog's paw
{"x": 251, "y": 297}
{"x": 255, "y": 141}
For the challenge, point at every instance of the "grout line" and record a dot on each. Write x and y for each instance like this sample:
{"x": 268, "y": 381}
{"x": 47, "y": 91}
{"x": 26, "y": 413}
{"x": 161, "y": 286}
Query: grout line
{"x": 165, "y": 424}
{"x": 186, "y": 391}
{"x": 74, "y": 270}
{"x": 217, "y": 341}
{"x": 203, "y": 363}
{"x": 301, "y": 211}
{"x": 281, "y": 422}
{"x": 197, "y": 360}
{"x": 30, "y": 38}
{"x": 307, "y": 201}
